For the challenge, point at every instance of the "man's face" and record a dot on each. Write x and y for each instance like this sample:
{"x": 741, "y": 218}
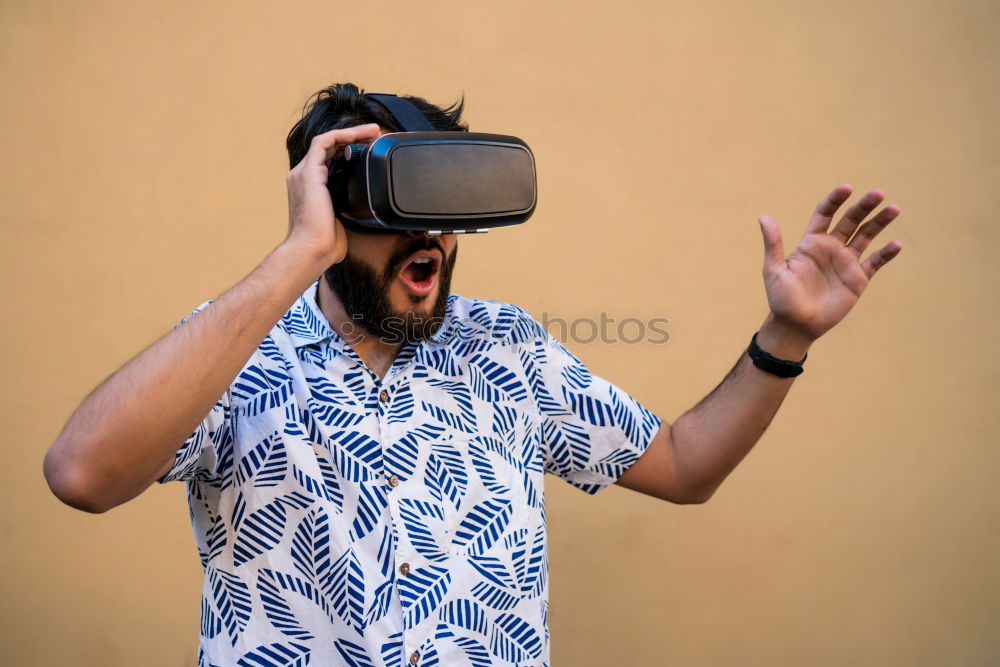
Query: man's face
{"x": 395, "y": 286}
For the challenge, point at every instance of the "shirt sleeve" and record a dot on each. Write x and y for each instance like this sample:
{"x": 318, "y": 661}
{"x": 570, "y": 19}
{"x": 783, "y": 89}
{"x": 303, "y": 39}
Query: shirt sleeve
{"x": 208, "y": 450}
{"x": 591, "y": 430}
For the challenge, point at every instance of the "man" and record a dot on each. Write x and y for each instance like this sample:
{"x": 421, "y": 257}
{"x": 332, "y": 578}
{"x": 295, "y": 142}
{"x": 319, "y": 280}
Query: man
{"x": 364, "y": 451}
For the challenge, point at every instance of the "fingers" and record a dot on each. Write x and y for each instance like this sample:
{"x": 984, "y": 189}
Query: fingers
{"x": 871, "y": 229}
{"x": 774, "y": 252}
{"x": 325, "y": 146}
{"x": 823, "y": 214}
{"x": 880, "y": 258}
{"x": 856, "y": 215}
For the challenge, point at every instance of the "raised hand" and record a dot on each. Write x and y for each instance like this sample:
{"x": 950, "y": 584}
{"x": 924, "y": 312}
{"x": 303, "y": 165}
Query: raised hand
{"x": 815, "y": 287}
{"x": 311, "y": 221}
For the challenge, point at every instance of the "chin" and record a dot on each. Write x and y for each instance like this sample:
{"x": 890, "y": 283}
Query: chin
{"x": 422, "y": 305}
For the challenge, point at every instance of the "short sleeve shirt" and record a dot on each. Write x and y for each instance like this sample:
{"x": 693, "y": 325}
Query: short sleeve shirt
{"x": 346, "y": 519}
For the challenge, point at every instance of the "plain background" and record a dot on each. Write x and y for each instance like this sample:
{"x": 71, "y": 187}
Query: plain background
{"x": 143, "y": 169}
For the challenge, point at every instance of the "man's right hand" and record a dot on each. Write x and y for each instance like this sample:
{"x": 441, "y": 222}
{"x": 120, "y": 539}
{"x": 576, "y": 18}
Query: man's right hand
{"x": 312, "y": 225}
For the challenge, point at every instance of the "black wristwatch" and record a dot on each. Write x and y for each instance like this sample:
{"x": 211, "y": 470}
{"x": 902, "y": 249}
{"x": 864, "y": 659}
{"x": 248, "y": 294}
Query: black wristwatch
{"x": 780, "y": 367}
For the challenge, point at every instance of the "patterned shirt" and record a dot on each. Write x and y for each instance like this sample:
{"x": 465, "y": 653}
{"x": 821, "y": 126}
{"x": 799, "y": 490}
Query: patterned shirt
{"x": 346, "y": 519}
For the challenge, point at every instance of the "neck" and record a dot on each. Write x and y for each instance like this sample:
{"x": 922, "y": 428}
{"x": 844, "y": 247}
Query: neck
{"x": 375, "y": 352}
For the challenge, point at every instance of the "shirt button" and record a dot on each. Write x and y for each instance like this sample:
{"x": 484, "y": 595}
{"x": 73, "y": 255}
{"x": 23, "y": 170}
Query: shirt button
{"x": 383, "y": 396}
{"x": 393, "y": 480}
{"x": 404, "y": 568}
{"x": 414, "y": 657}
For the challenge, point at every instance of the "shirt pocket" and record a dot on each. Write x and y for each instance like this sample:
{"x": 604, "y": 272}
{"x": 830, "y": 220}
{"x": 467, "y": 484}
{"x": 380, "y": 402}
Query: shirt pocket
{"x": 496, "y": 500}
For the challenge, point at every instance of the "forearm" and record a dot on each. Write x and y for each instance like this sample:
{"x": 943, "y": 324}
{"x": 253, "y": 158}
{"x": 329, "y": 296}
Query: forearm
{"x": 125, "y": 431}
{"x": 710, "y": 439}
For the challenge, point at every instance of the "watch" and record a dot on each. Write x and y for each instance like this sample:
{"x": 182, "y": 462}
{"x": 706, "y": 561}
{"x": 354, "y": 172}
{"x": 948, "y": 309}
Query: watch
{"x": 780, "y": 367}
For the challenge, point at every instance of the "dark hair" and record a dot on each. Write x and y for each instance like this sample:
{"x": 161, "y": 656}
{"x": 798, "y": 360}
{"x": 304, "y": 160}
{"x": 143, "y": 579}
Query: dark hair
{"x": 344, "y": 105}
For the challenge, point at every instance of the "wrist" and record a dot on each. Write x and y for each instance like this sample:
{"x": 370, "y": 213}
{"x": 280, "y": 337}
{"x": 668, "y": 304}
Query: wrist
{"x": 313, "y": 258}
{"x": 780, "y": 340}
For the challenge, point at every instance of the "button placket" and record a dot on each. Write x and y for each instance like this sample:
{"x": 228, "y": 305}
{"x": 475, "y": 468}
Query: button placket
{"x": 406, "y": 561}
{"x": 384, "y": 433}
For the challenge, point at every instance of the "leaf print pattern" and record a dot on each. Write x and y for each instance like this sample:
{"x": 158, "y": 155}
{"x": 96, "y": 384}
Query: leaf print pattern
{"x": 482, "y": 525}
{"x": 422, "y": 593}
{"x": 232, "y": 600}
{"x": 340, "y": 525}
{"x": 513, "y": 639}
{"x": 353, "y": 654}
{"x": 263, "y": 529}
{"x": 269, "y": 587}
{"x": 346, "y": 589}
{"x": 276, "y": 655}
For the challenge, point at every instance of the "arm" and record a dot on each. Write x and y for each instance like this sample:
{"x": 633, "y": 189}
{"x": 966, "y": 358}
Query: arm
{"x": 809, "y": 292}
{"x": 124, "y": 435}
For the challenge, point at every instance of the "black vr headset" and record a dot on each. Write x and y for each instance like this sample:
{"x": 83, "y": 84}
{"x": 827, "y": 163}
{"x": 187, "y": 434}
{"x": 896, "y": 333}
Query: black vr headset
{"x": 437, "y": 182}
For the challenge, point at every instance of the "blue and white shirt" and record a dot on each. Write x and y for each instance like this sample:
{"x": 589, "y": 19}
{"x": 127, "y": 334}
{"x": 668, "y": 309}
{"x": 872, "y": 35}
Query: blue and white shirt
{"x": 347, "y": 519}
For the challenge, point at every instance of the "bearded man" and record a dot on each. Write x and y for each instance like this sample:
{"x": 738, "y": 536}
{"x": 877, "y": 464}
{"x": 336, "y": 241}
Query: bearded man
{"x": 364, "y": 451}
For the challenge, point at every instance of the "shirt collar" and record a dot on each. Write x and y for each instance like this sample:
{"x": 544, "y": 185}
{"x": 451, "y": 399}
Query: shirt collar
{"x": 307, "y": 325}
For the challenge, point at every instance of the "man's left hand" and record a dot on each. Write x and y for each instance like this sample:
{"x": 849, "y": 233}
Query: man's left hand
{"x": 815, "y": 287}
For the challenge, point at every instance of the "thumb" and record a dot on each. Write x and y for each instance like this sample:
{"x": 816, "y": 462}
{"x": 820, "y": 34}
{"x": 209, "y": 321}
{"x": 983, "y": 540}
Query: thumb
{"x": 774, "y": 251}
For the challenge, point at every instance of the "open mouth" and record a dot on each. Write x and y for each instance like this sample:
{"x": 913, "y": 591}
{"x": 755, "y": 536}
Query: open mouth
{"x": 418, "y": 274}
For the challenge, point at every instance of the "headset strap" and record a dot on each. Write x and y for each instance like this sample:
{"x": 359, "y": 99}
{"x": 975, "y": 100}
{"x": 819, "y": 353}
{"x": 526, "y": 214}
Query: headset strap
{"x": 406, "y": 114}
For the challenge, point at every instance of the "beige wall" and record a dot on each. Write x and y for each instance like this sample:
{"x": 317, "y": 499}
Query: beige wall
{"x": 143, "y": 173}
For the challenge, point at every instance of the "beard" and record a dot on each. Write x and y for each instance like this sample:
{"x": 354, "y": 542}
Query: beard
{"x": 364, "y": 293}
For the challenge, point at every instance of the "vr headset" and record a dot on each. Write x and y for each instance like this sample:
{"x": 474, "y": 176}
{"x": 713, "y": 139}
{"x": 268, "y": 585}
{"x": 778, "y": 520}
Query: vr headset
{"x": 448, "y": 182}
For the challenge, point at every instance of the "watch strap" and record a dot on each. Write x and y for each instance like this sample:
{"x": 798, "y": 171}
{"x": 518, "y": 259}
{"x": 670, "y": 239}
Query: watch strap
{"x": 781, "y": 367}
